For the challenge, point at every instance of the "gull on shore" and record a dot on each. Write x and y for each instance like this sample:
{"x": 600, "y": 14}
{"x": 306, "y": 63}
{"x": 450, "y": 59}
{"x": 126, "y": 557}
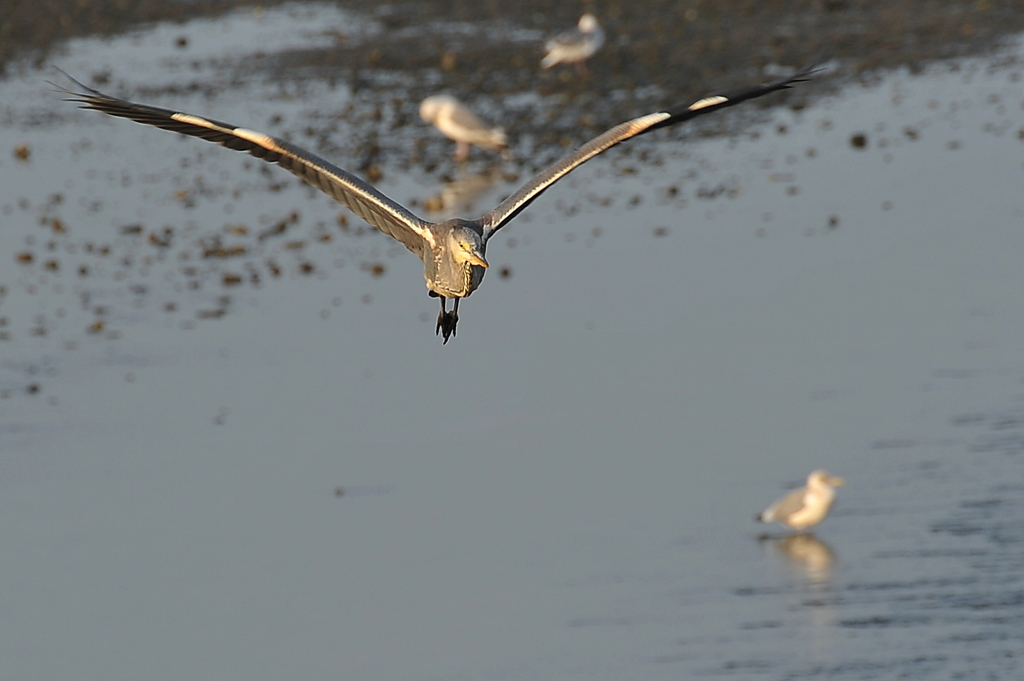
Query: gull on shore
{"x": 575, "y": 46}
{"x": 807, "y": 506}
{"x": 461, "y": 125}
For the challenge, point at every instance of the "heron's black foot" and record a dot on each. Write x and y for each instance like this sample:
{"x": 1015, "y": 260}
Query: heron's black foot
{"x": 446, "y": 322}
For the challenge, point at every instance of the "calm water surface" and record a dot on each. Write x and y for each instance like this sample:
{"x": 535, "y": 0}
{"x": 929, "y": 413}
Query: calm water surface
{"x": 290, "y": 477}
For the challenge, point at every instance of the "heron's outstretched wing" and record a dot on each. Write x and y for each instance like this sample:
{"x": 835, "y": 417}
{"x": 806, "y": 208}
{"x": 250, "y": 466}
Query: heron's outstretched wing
{"x": 361, "y": 197}
{"x": 526, "y": 194}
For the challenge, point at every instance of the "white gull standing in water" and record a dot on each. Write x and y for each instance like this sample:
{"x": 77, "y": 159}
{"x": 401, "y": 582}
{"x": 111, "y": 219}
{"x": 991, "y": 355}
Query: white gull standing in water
{"x": 460, "y": 124}
{"x": 575, "y": 46}
{"x": 807, "y": 506}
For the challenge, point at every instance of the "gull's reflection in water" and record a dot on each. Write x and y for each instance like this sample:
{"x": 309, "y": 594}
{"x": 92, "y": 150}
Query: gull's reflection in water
{"x": 811, "y": 564}
{"x": 458, "y": 195}
{"x": 808, "y": 558}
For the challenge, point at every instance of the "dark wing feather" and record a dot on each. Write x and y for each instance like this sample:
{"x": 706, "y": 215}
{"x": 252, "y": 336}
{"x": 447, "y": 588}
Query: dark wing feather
{"x": 361, "y": 197}
{"x": 526, "y": 194}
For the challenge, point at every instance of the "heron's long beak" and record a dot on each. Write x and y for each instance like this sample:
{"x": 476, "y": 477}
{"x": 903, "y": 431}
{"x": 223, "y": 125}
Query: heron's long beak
{"x": 836, "y": 481}
{"x": 476, "y": 259}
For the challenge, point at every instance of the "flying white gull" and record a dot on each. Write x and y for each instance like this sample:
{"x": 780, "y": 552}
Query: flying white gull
{"x": 452, "y": 251}
{"x": 458, "y": 123}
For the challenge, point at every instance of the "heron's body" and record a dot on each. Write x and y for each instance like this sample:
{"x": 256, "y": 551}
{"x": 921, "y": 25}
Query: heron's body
{"x": 806, "y": 506}
{"x": 452, "y": 251}
{"x": 447, "y": 274}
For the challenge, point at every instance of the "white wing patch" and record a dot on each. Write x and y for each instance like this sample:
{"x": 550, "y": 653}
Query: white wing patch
{"x": 265, "y": 141}
{"x": 708, "y": 101}
{"x": 647, "y": 121}
{"x": 196, "y": 120}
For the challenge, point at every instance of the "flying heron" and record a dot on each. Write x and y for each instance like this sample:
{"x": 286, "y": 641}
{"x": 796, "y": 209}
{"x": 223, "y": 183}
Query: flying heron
{"x": 807, "y": 506}
{"x": 452, "y": 251}
{"x": 575, "y": 46}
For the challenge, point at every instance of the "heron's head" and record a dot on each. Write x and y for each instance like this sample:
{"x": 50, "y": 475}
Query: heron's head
{"x": 588, "y": 23}
{"x": 431, "y": 107}
{"x": 466, "y": 245}
{"x": 821, "y": 478}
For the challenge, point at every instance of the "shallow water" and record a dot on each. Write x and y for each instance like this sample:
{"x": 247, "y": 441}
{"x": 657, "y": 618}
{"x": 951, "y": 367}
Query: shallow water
{"x": 289, "y": 476}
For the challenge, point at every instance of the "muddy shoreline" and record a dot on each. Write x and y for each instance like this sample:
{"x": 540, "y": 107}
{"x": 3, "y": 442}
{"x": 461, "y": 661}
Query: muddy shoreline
{"x": 658, "y": 53}
{"x": 659, "y": 42}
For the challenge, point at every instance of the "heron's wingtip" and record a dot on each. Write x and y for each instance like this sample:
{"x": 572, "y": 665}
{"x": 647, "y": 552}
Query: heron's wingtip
{"x": 820, "y": 67}
{"x": 802, "y": 76}
{"x": 66, "y": 75}
{"x": 83, "y": 89}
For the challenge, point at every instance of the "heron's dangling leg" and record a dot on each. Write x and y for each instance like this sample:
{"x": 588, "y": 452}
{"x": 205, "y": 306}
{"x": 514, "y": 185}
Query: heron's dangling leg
{"x": 446, "y": 320}
{"x": 441, "y": 316}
